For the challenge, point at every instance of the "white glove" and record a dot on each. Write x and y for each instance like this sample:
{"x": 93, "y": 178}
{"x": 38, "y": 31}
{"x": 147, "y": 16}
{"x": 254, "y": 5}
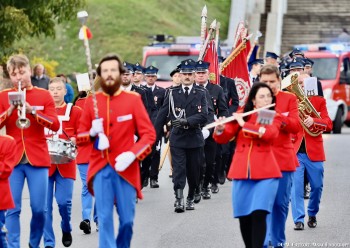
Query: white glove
{"x": 123, "y": 160}
{"x": 103, "y": 142}
{"x": 135, "y": 138}
{"x": 96, "y": 127}
{"x": 205, "y": 133}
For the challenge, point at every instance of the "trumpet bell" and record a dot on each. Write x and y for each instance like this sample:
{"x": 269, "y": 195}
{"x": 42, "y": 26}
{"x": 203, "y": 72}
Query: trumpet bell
{"x": 23, "y": 123}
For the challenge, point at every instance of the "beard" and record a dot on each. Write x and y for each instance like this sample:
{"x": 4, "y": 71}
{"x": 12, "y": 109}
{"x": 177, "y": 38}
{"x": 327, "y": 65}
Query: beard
{"x": 110, "y": 87}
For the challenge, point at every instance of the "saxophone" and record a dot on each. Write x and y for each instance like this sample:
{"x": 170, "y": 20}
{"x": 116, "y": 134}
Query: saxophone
{"x": 305, "y": 108}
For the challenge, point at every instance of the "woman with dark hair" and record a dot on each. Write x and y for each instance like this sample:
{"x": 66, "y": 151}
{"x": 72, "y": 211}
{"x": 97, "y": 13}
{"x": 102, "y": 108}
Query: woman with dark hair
{"x": 254, "y": 169}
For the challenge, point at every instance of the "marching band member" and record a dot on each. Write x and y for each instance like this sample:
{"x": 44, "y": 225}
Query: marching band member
{"x": 32, "y": 156}
{"x": 62, "y": 176}
{"x": 254, "y": 169}
{"x": 113, "y": 174}
{"x": 310, "y": 153}
{"x": 187, "y": 107}
{"x": 82, "y": 160}
{"x": 7, "y": 163}
{"x": 286, "y": 104}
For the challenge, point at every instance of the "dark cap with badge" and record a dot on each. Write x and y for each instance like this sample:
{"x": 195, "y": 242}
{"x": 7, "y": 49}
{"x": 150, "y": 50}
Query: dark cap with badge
{"x": 308, "y": 62}
{"x": 296, "y": 52}
{"x": 151, "y": 71}
{"x": 138, "y": 68}
{"x": 187, "y": 66}
{"x": 202, "y": 66}
{"x": 296, "y": 64}
{"x": 271, "y": 55}
{"x": 255, "y": 62}
{"x": 129, "y": 68}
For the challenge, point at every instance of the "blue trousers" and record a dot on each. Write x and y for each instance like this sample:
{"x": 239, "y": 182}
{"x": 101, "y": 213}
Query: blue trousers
{"x": 314, "y": 171}
{"x": 276, "y": 220}
{"x": 37, "y": 180}
{"x": 3, "y": 241}
{"x": 86, "y": 197}
{"x": 62, "y": 189}
{"x": 110, "y": 189}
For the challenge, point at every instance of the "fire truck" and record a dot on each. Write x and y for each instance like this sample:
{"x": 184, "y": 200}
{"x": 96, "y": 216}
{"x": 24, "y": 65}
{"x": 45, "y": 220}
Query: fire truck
{"x": 166, "y": 52}
{"x": 332, "y": 68}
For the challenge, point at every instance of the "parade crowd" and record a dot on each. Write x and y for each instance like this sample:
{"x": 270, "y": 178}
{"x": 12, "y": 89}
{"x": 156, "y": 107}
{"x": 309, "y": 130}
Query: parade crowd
{"x": 272, "y": 151}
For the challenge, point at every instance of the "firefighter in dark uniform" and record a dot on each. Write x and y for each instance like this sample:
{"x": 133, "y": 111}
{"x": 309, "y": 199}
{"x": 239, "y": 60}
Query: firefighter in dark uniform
{"x": 150, "y": 165}
{"x": 218, "y": 100}
{"x": 128, "y": 86}
{"x": 186, "y": 106}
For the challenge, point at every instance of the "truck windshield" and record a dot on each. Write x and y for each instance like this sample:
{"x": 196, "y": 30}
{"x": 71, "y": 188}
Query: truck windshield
{"x": 166, "y": 64}
{"x": 325, "y": 68}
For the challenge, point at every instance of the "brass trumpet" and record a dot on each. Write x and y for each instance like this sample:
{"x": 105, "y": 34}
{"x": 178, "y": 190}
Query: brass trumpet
{"x": 22, "y": 122}
{"x": 305, "y": 107}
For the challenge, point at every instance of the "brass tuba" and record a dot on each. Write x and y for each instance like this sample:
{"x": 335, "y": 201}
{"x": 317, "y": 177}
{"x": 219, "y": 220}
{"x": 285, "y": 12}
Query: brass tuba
{"x": 305, "y": 108}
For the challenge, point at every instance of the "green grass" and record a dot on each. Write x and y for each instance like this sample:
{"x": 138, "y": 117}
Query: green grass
{"x": 122, "y": 26}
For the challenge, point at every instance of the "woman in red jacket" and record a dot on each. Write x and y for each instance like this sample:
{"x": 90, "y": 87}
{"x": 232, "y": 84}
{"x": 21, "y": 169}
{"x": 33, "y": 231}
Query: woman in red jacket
{"x": 254, "y": 169}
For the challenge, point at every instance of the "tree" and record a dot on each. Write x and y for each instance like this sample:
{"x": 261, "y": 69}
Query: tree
{"x": 20, "y": 19}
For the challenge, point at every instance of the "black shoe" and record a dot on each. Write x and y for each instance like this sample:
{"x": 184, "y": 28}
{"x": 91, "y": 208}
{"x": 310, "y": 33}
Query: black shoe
{"x": 179, "y": 203}
{"x": 214, "y": 188}
{"x": 299, "y": 226}
{"x": 312, "y": 222}
{"x": 205, "y": 193}
{"x": 222, "y": 177}
{"x": 190, "y": 204}
{"x": 197, "y": 195}
{"x": 85, "y": 226}
{"x": 145, "y": 183}
{"x": 154, "y": 184}
{"x": 67, "y": 239}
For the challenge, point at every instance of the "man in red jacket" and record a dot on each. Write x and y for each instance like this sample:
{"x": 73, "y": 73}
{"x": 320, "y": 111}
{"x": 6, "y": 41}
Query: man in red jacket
{"x": 310, "y": 152}
{"x": 286, "y": 105}
{"x": 7, "y": 163}
{"x": 114, "y": 172}
{"x": 32, "y": 156}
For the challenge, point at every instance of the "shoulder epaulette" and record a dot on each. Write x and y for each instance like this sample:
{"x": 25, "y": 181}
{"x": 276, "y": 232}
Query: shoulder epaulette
{"x": 38, "y": 88}
{"x": 8, "y": 136}
{"x": 8, "y": 89}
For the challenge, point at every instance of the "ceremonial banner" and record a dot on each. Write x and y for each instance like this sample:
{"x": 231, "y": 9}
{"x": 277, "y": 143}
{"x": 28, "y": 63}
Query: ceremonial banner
{"x": 212, "y": 57}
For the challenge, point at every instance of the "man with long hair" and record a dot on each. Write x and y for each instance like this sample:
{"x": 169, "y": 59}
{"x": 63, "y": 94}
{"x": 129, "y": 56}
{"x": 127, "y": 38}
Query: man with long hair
{"x": 114, "y": 173}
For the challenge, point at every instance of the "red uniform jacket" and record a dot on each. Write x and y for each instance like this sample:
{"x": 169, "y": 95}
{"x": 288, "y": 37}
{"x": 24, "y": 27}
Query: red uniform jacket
{"x": 32, "y": 140}
{"x": 84, "y": 150}
{"x": 7, "y": 163}
{"x": 70, "y": 128}
{"x": 287, "y": 106}
{"x": 253, "y": 156}
{"x": 123, "y": 115}
{"x": 314, "y": 145}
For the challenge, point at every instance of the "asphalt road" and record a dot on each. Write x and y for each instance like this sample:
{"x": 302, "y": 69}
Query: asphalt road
{"x": 211, "y": 224}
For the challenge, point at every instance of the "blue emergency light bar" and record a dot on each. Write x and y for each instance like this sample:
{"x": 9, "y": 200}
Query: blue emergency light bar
{"x": 332, "y": 47}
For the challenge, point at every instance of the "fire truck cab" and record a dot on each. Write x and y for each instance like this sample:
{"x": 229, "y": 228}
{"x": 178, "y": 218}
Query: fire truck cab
{"x": 167, "y": 55}
{"x": 332, "y": 68}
